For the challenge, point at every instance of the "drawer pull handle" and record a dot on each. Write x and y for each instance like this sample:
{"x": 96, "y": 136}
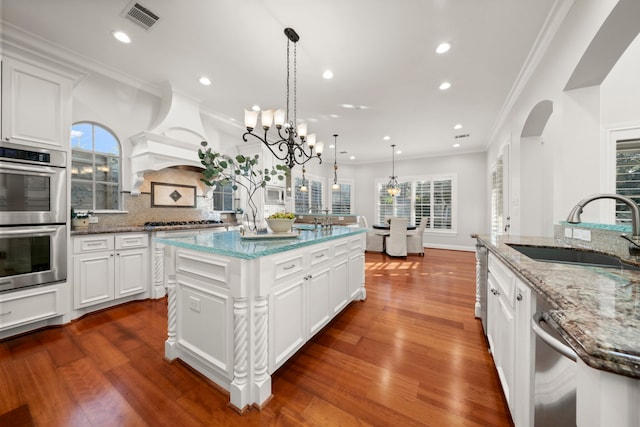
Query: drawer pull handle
{"x": 94, "y": 243}
{"x": 5, "y": 314}
{"x": 319, "y": 256}
{"x": 289, "y": 267}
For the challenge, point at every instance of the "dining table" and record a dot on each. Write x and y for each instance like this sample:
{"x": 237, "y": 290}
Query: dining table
{"x": 388, "y": 226}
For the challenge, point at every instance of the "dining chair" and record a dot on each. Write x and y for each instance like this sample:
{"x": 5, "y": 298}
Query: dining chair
{"x": 415, "y": 242}
{"x": 396, "y": 241}
{"x": 375, "y": 238}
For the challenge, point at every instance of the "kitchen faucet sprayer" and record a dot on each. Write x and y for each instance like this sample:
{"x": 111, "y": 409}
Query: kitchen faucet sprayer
{"x": 634, "y": 247}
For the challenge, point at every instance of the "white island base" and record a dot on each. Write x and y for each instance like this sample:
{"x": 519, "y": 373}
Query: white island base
{"x": 237, "y": 320}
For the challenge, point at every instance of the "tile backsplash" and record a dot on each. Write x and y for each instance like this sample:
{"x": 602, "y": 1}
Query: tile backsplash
{"x": 138, "y": 208}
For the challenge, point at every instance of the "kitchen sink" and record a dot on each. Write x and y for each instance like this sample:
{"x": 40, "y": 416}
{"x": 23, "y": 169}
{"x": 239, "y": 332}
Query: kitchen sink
{"x": 573, "y": 256}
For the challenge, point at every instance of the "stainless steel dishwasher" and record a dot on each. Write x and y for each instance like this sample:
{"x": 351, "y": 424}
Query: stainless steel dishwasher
{"x": 555, "y": 375}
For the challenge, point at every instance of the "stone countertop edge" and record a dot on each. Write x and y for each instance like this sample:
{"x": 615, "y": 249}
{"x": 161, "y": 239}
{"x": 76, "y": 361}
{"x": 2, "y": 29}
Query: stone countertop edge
{"x": 587, "y": 308}
{"x": 226, "y": 243}
{"x": 141, "y": 228}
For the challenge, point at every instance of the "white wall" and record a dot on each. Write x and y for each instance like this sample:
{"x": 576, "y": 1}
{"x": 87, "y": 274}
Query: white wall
{"x": 572, "y": 164}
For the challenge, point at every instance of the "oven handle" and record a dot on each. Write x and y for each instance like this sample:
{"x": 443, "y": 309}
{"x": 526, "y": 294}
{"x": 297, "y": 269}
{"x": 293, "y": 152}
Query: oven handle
{"x": 39, "y": 230}
{"x": 561, "y": 348}
{"x": 26, "y": 168}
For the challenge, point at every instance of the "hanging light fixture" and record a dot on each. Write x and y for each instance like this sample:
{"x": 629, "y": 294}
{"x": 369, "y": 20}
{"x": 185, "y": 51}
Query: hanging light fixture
{"x": 286, "y": 148}
{"x": 393, "y": 188}
{"x": 303, "y": 184}
{"x": 335, "y": 185}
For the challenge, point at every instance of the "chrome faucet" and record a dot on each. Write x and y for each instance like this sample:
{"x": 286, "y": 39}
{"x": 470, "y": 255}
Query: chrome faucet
{"x": 634, "y": 247}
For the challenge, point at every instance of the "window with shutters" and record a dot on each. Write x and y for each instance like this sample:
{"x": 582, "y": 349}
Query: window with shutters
{"x": 627, "y": 176}
{"x": 432, "y": 198}
{"x": 95, "y": 168}
{"x": 341, "y": 199}
{"x": 309, "y": 201}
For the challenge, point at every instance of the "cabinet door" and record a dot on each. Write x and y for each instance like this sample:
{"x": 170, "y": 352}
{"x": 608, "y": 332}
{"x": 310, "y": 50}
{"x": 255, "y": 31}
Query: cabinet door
{"x": 524, "y": 356}
{"x": 318, "y": 295}
{"x": 93, "y": 278}
{"x": 356, "y": 274}
{"x": 132, "y": 269}
{"x": 505, "y": 349}
{"x": 35, "y": 105}
{"x": 287, "y": 324}
{"x": 340, "y": 285}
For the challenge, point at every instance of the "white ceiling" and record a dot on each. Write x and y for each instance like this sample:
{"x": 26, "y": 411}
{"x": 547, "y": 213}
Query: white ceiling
{"x": 381, "y": 52}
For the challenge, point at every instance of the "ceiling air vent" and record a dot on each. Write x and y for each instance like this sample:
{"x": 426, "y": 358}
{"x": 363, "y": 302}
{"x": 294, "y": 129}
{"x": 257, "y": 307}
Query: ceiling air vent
{"x": 141, "y": 16}
{"x": 464, "y": 135}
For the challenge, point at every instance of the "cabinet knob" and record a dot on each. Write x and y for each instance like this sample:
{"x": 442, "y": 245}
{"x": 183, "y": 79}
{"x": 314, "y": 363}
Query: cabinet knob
{"x": 6, "y": 138}
{"x": 519, "y": 297}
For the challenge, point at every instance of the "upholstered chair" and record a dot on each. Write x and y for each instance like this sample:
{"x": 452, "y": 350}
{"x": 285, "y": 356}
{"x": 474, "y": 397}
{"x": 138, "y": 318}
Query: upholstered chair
{"x": 415, "y": 242}
{"x": 396, "y": 241}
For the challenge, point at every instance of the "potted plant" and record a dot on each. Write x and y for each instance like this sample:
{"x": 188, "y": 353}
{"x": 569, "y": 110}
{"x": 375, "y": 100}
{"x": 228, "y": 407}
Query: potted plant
{"x": 241, "y": 171}
{"x": 80, "y": 219}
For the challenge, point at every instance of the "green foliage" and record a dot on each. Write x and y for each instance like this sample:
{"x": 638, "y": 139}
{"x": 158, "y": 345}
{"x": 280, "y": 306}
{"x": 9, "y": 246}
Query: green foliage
{"x": 241, "y": 171}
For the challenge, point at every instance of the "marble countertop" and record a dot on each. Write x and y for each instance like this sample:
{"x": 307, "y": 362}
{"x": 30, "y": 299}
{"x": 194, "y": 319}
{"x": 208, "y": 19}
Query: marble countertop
{"x": 232, "y": 244}
{"x": 141, "y": 228}
{"x": 596, "y": 310}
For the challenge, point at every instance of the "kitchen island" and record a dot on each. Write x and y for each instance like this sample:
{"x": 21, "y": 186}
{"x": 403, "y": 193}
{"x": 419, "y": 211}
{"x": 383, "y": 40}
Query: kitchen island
{"x": 240, "y": 307}
{"x": 596, "y": 310}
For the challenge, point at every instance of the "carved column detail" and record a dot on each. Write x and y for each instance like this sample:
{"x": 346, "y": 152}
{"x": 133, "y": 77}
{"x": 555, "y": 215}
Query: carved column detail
{"x": 172, "y": 310}
{"x": 240, "y": 341}
{"x": 481, "y": 276}
{"x": 158, "y": 267}
{"x": 261, "y": 338}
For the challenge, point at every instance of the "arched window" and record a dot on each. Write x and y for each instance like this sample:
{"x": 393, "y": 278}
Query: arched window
{"x": 95, "y": 168}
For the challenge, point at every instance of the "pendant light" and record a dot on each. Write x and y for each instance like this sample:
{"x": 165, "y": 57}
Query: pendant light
{"x": 393, "y": 188}
{"x": 286, "y": 147}
{"x": 335, "y": 185}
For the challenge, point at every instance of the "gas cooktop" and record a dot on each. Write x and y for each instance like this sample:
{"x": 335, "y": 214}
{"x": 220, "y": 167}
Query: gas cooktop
{"x": 174, "y": 223}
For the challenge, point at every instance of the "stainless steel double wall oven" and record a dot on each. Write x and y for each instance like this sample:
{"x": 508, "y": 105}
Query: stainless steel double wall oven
{"x": 33, "y": 216}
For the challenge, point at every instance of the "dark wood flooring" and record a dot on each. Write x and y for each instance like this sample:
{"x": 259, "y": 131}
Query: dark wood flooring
{"x": 412, "y": 354}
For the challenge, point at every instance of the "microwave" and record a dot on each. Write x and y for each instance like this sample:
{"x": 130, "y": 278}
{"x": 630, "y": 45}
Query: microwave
{"x": 273, "y": 196}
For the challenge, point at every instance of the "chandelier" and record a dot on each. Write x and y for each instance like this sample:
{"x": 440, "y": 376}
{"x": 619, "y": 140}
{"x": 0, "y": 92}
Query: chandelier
{"x": 335, "y": 185}
{"x": 286, "y": 148}
{"x": 393, "y": 188}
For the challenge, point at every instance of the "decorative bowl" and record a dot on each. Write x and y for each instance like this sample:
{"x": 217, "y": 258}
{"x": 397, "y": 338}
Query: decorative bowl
{"x": 280, "y": 225}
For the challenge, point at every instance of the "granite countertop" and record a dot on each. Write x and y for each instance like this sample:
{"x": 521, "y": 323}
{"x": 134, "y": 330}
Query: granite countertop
{"x": 232, "y": 244}
{"x": 141, "y": 228}
{"x": 595, "y": 309}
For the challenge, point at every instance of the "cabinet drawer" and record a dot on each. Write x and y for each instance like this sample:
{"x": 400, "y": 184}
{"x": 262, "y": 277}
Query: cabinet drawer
{"x": 320, "y": 255}
{"x": 288, "y": 267}
{"x": 504, "y": 278}
{"x": 99, "y": 242}
{"x": 19, "y": 309}
{"x": 130, "y": 241}
{"x": 341, "y": 248}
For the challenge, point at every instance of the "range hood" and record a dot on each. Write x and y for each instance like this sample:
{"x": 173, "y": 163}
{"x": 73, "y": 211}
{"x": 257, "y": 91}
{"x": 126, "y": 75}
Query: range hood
{"x": 173, "y": 141}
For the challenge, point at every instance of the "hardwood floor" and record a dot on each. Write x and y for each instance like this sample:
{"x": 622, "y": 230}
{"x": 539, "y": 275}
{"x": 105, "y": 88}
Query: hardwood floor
{"x": 411, "y": 354}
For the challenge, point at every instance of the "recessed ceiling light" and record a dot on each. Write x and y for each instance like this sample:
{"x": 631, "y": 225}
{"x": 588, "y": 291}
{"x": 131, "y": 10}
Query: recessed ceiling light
{"x": 352, "y": 157}
{"x": 256, "y": 108}
{"x": 399, "y": 152}
{"x": 443, "y": 47}
{"x": 327, "y": 74}
{"x": 456, "y": 145}
{"x": 445, "y": 85}
{"x": 458, "y": 126}
{"x": 121, "y": 36}
{"x": 334, "y": 116}
{"x": 205, "y": 81}
{"x": 387, "y": 137}
{"x": 331, "y": 146}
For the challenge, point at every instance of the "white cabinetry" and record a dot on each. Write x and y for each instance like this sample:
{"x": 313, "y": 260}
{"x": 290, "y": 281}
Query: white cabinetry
{"x": 29, "y": 305}
{"x": 108, "y": 267}
{"x": 36, "y": 105}
{"x": 509, "y": 309}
